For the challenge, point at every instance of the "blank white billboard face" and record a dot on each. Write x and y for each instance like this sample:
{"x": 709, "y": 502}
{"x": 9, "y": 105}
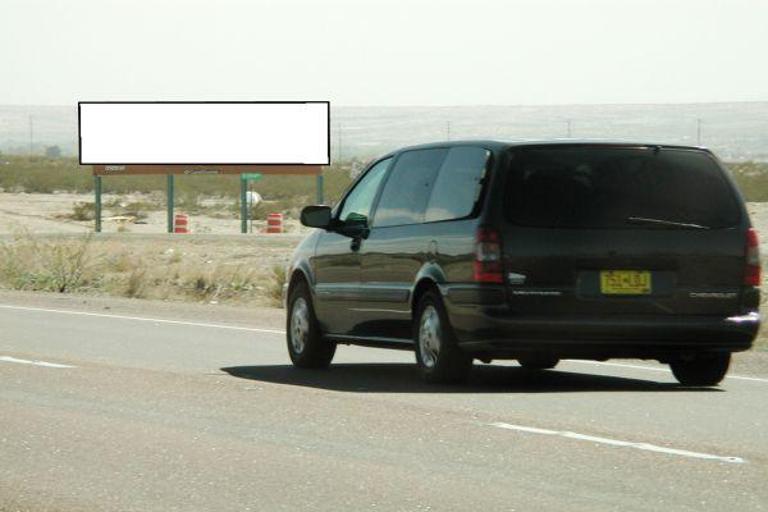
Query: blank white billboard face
{"x": 204, "y": 133}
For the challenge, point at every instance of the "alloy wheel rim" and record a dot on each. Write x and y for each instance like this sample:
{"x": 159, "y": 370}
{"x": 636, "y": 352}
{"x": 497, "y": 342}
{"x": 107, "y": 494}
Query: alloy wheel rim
{"x": 299, "y": 325}
{"x": 429, "y": 336}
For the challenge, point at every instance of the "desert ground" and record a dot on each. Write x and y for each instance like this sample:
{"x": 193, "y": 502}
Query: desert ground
{"x": 52, "y": 214}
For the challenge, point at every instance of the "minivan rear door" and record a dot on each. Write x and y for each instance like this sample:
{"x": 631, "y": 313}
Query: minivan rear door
{"x": 609, "y": 229}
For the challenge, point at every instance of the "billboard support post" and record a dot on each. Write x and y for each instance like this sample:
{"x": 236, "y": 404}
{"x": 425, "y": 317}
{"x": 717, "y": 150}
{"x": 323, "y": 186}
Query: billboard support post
{"x": 250, "y": 206}
{"x": 170, "y": 201}
{"x": 319, "y": 187}
{"x": 243, "y": 206}
{"x": 97, "y": 203}
{"x": 246, "y": 199}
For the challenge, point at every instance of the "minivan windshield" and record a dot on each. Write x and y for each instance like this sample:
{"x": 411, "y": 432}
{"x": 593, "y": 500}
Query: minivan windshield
{"x": 618, "y": 187}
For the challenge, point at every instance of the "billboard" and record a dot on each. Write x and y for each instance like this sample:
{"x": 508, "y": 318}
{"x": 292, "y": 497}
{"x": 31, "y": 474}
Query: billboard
{"x": 204, "y": 133}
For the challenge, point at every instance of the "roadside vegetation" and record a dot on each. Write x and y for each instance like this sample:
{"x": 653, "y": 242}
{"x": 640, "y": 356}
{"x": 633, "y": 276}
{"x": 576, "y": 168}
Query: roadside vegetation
{"x": 50, "y": 175}
{"x": 230, "y": 270}
{"x": 752, "y": 179}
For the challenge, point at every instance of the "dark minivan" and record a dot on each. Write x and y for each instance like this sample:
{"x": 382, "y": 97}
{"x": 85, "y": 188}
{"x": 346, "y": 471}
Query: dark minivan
{"x": 531, "y": 251}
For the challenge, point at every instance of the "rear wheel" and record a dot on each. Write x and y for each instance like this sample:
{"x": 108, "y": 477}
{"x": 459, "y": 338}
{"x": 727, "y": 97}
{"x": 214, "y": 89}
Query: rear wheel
{"x": 538, "y": 362}
{"x": 701, "y": 370}
{"x": 437, "y": 354}
{"x": 306, "y": 346}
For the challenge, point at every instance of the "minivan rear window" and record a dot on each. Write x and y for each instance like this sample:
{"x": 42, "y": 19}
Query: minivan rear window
{"x": 616, "y": 187}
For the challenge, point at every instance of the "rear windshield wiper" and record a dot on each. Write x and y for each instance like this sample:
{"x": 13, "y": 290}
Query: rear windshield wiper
{"x": 664, "y": 222}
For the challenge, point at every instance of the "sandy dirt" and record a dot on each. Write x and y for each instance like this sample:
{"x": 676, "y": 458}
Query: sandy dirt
{"x": 48, "y": 213}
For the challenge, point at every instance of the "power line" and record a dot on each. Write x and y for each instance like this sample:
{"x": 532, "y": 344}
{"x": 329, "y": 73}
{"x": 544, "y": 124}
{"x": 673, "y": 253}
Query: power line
{"x": 31, "y": 135}
{"x": 698, "y": 131}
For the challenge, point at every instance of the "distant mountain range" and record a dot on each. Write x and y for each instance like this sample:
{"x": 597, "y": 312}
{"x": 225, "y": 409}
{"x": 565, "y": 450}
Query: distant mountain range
{"x": 736, "y": 131}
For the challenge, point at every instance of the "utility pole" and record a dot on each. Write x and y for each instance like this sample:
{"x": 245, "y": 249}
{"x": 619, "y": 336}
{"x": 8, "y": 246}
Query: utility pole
{"x": 448, "y": 130}
{"x": 698, "y": 131}
{"x": 338, "y": 141}
{"x": 568, "y": 128}
{"x": 31, "y": 135}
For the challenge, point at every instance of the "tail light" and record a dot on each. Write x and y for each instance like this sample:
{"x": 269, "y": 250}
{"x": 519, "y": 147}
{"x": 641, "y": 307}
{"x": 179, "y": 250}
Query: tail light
{"x": 488, "y": 256}
{"x": 752, "y": 267}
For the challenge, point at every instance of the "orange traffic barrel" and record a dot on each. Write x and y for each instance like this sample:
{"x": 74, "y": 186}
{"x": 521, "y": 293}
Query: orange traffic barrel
{"x": 181, "y": 223}
{"x": 275, "y": 223}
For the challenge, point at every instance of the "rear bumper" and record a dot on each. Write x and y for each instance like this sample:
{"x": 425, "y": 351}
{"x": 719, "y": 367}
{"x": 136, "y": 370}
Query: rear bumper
{"x": 495, "y": 331}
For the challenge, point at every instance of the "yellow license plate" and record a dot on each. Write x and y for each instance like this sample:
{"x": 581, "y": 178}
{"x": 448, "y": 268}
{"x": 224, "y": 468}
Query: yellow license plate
{"x": 625, "y": 282}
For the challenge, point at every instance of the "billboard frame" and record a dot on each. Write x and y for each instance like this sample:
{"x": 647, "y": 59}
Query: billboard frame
{"x": 171, "y": 170}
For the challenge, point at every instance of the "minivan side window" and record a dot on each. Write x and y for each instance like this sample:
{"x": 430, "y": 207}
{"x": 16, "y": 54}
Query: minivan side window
{"x": 458, "y": 184}
{"x": 406, "y": 192}
{"x": 358, "y": 203}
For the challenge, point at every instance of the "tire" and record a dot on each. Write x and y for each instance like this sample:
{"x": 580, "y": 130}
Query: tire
{"x": 306, "y": 345}
{"x": 702, "y": 370}
{"x": 538, "y": 362}
{"x": 437, "y": 353}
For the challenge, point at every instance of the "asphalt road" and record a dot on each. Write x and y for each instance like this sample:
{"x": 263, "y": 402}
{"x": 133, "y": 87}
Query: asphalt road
{"x": 108, "y": 409}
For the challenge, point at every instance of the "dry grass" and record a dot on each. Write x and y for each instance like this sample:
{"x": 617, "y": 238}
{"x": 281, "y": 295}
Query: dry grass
{"x": 29, "y": 263}
{"x": 276, "y": 284}
{"x": 41, "y": 175}
{"x": 83, "y": 211}
{"x": 228, "y": 270}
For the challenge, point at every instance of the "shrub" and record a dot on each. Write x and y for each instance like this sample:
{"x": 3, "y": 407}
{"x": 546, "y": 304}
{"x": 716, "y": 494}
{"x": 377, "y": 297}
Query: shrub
{"x": 83, "y": 211}
{"x": 752, "y": 179}
{"x": 29, "y": 263}
{"x": 276, "y": 284}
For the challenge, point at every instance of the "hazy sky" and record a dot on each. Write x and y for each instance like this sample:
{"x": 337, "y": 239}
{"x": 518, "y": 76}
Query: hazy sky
{"x": 385, "y": 52}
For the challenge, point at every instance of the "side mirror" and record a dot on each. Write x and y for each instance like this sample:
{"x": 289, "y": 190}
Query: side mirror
{"x": 317, "y": 216}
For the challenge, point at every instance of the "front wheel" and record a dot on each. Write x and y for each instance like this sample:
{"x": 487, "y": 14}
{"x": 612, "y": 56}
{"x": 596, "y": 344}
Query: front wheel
{"x": 306, "y": 346}
{"x": 437, "y": 354}
{"x": 701, "y": 370}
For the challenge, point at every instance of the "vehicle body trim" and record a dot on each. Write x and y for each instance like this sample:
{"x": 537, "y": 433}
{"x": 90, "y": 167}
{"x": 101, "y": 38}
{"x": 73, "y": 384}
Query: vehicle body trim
{"x": 371, "y": 341}
{"x": 538, "y": 293}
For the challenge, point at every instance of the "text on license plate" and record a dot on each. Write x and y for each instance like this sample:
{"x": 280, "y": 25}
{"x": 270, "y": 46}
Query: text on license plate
{"x": 625, "y": 282}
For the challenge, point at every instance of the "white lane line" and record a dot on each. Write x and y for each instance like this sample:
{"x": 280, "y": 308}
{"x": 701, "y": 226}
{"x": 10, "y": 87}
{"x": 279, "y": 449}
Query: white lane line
{"x": 144, "y": 319}
{"x": 739, "y": 377}
{"x": 621, "y": 365}
{"x": 653, "y": 369}
{"x": 9, "y": 359}
{"x": 616, "y": 442}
